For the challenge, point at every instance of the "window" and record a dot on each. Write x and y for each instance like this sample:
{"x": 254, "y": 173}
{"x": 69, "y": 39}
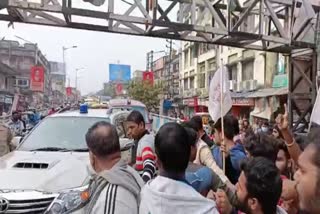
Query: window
{"x": 22, "y": 83}
{"x": 202, "y": 80}
{"x": 191, "y": 82}
{"x": 192, "y": 50}
{"x": 212, "y": 65}
{"x": 186, "y": 59}
{"x": 233, "y": 71}
{"x": 185, "y": 84}
{"x": 247, "y": 70}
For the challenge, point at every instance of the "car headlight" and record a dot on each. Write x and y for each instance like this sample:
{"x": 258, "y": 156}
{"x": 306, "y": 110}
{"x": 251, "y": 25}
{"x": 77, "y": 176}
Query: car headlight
{"x": 69, "y": 201}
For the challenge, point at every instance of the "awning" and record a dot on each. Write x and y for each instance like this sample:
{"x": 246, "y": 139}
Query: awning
{"x": 263, "y": 114}
{"x": 268, "y": 92}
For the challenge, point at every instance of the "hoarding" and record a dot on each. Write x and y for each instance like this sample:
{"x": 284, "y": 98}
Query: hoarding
{"x": 37, "y": 78}
{"x": 148, "y": 77}
{"x": 119, "y": 73}
{"x": 69, "y": 91}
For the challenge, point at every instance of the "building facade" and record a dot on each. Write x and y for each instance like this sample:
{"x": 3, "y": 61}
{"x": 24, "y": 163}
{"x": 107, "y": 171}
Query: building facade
{"x": 21, "y": 58}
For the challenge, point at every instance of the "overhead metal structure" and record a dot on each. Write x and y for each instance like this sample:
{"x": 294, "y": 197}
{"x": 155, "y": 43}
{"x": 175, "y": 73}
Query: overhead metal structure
{"x": 286, "y": 26}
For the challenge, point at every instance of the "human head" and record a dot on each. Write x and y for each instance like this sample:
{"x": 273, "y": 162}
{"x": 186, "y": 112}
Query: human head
{"x": 103, "y": 143}
{"x": 172, "y": 151}
{"x": 228, "y": 129}
{"x": 259, "y": 187}
{"x": 261, "y": 145}
{"x": 283, "y": 161}
{"x": 308, "y": 175}
{"x": 135, "y": 125}
{"x": 276, "y": 132}
{"x": 245, "y": 123}
{"x": 265, "y": 127}
{"x": 193, "y": 137}
{"x": 15, "y": 115}
{"x": 196, "y": 123}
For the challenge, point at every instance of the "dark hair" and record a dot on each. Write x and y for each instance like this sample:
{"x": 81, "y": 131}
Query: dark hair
{"x": 283, "y": 146}
{"x": 172, "y": 149}
{"x": 263, "y": 182}
{"x": 196, "y": 123}
{"x": 236, "y": 127}
{"x": 136, "y": 117}
{"x": 228, "y": 121}
{"x": 276, "y": 127}
{"x": 262, "y": 145}
{"x": 102, "y": 139}
{"x": 192, "y": 136}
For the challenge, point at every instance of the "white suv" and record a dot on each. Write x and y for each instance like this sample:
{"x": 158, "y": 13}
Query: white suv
{"x": 48, "y": 171}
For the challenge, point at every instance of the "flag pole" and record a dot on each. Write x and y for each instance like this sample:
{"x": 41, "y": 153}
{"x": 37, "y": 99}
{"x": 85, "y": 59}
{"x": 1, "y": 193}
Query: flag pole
{"x": 222, "y": 112}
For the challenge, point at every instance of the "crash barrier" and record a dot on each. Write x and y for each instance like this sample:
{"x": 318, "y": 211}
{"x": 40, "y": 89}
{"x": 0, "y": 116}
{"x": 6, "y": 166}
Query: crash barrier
{"x": 159, "y": 120}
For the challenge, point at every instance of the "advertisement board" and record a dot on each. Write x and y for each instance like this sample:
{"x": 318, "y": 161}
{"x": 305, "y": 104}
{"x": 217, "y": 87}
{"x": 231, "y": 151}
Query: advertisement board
{"x": 148, "y": 77}
{"x": 37, "y": 78}
{"x": 68, "y": 91}
{"x": 119, "y": 73}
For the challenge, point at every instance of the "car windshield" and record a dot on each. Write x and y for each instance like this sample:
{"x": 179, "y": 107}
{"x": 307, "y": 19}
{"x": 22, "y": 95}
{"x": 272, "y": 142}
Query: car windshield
{"x": 60, "y": 132}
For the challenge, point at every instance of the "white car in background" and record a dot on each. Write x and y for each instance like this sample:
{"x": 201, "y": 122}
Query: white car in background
{"x": 48, "y": 172}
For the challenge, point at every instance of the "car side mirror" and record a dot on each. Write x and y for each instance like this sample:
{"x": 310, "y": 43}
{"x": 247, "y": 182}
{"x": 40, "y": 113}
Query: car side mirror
{"x": 15, "y": 142}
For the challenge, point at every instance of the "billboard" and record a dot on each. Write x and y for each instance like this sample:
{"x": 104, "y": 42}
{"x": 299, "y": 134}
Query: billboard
{"x": 148, "y": 77}
{"x": 119, "y": 73}
{"x": 37, "y": 78}
{"x": 68, "y": 91}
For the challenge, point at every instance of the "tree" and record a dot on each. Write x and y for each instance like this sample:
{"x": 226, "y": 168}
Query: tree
{"x": 146, "y": 93}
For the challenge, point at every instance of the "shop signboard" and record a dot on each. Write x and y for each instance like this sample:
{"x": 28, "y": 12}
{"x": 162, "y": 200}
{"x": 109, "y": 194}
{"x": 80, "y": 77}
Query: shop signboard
{"x": 242, "y": 102}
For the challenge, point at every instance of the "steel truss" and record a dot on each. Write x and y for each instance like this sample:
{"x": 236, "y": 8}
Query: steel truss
{"x": 287, "y": 26}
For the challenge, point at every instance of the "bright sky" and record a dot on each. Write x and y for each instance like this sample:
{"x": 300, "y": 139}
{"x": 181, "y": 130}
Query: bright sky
{"x": 96, "y": 50}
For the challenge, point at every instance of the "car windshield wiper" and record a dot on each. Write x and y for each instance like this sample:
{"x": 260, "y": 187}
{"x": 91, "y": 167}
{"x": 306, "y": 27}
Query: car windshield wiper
{"x": 49, "y": 149}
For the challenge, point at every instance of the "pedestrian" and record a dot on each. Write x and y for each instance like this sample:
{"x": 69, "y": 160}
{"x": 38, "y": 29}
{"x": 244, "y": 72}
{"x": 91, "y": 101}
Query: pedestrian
{"x": 144, "y": 146}
{"x": 234, "y": 153}
{"x": 115, "y": 186}
{"x": 307, "y": 176}
{"x": 258, "y": 189}
{"x": 284, "y": 162}
{"x": 276, "y": 132}
{"x": 196, "y": 123}
{"x": 15, "y": 124}
{"x": 5, "y": 140}
{"x": 170, "y": 192}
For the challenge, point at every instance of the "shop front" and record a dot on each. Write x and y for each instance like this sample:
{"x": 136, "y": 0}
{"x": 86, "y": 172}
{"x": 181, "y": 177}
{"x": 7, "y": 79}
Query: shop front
{"x": 241, "y": 107}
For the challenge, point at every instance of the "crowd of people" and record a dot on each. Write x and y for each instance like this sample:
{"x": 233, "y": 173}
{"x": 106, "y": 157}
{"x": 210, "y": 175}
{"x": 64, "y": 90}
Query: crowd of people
{"x": 181, "y": 170}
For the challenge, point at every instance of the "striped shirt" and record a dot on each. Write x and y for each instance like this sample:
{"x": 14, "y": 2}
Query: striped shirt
{"x": 145, "y": 158}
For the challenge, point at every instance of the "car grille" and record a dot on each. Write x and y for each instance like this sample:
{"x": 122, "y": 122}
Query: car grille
{"x": 35, "y": 206}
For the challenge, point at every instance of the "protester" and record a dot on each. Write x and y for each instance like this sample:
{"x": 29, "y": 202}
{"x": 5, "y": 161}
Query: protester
{"x": 170, "y": 192}
{"x": 15, "y": 124}
{"x": 115, "y": 187}
{"x": 261, "y": 145}
{"x": 204, "y": 157}
{"x": 52, "y": 111}
{"x": 234, "y": 152}
{"x": 283, "y": 162}
{"x": 5, "y": 140}
{"x": 308, "y": 176}
{"x": 144, "y": 142}
{"x": 202, "y": 178}
{"x": 276, "y": 132}
{"x": 196, "y": 123}
{"x": 265, "y": 128}
{"x": 258, "y": 189}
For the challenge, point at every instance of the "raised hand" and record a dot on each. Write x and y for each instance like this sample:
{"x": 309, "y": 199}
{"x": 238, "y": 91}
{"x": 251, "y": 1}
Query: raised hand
{"x": 282, "y": 120}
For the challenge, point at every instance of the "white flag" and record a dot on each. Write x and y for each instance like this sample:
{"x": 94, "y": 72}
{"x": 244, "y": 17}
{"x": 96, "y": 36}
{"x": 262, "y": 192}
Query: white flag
{"x": 315, "y": 116}
{"x": 216, "y": 85}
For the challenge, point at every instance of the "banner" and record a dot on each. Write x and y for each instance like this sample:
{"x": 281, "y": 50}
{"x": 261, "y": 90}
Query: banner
{"x": 315, "y": 116}
{"x": 37, "y": 78}
{"x": 148, "y": 77}
{"x": 68, "y": 91}
{"x": 215, "y": 94}
{"x": 119, "y": 88}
